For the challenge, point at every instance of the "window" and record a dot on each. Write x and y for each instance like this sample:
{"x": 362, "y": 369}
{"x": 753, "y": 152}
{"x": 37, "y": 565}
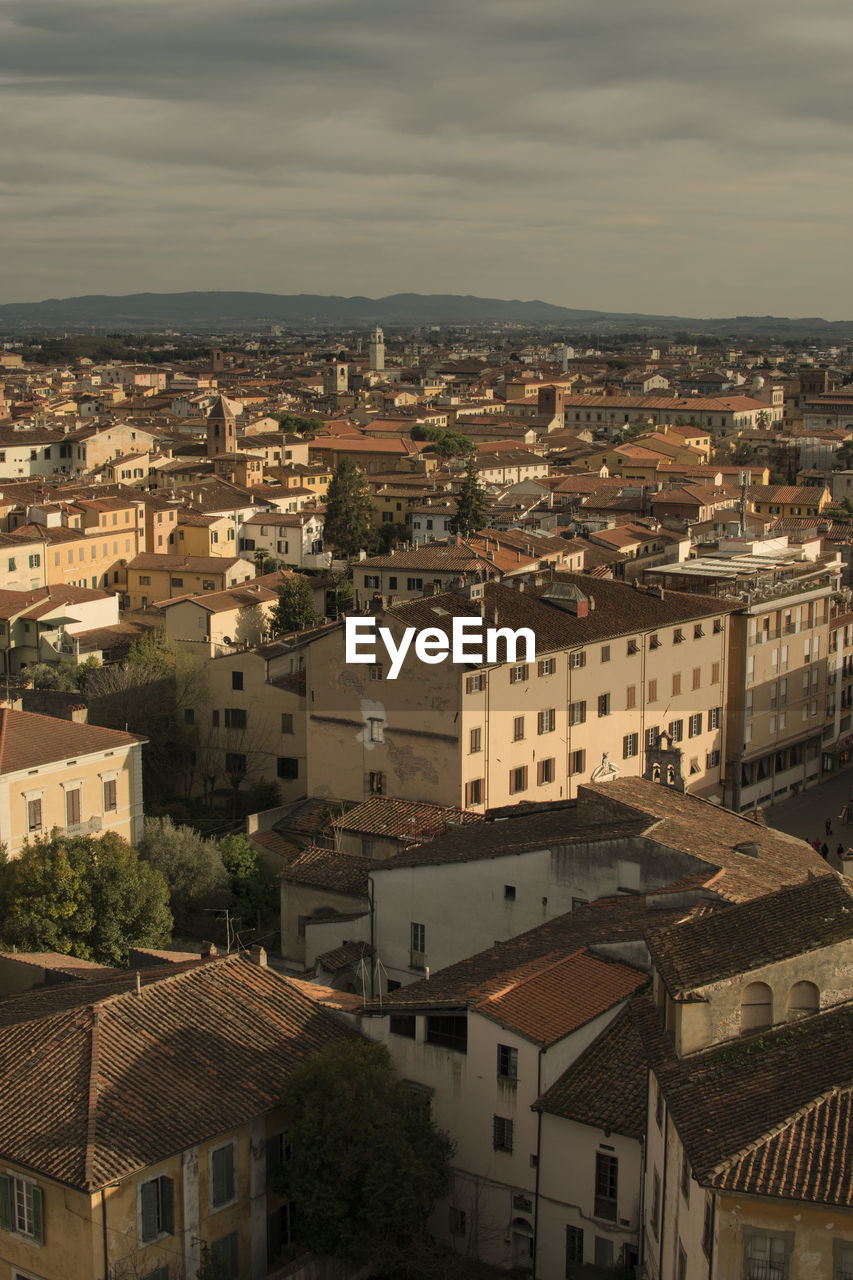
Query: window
{"x": 518, "y": 673}
{"x": 418, "y": 942}
{"x": 547, "y": 721}
{"x": 21, "y": 1207}
{"x": 474, "y": 791}
{"x": 502, "y": 1134}
{"x": 546, "y": 770}
{"x": 578, "y": 659}
{"x": 34, "y": 814}
{"x": 654, "y": 642}
{"x": 677, "y": 636}
{"x": 518, "y": 780}
{"x": 694, "y": 725}
{"x": 803, "y": 999}
{"x": 287, "y": 722}
{"x": 376, "y": 783}
{"x": 110, "y": 795}
{"x": 235, "y": 763}
{"x": 447, "y": 1031}
{"x": 577, "y": 762}
{"x": 605, "y": 653}
{"x": 375, "y": 729}
{"x": 282, "y": 1225}
{"x": 371, "y": 582}
{"x": 630, "y": 746}
{"x": 72, "y": 807}
{"x": 507, "y": 1062}
{"x": 156, "y": 1209}
{"x": 518, "y": 728}
{"x": 509, "y": 892}
{"x": 235, "y": 718}
{"x": 278, "y": 1151}
{"x": 676, "y": 682}
{"x": 475, "y": 684}
{"x": 604, "y": 704}
{"x": 403, "y": 1024}
{"x": 698, "y": 631}
{"x": 287, "y": 767}
{"x": 676, "y": 730}
{"x": 715, "y": 717}
{"x": 574, "y": 1247}
{"x": 631, "y": 697}
{"x": 414, "y": 584}
{"x": 236, "y": 679}
{"x": 756, "y": 1007}
{"x": 457, "y": 1224}
{"x": 712, "y": 759}
{"x": 224, "y": 1257}
{"x": 606, "y": 1175}
{"x": 577, "y": 713}
{"x": 475, "y": 741}
{"x": 765, "y": 1257}
{"x": 547, "y": 666}
{"x": 35, "y": 561}
{"x": 842, "y": 1257}
{"x": 718, "y": 626}
{"x": 374, "y": 671}
{"x": 222, "y": 1181}
{"x": 214, "y": 719}
{"x": 653, "y": 691}
{"x": 715, "y": 673}
{"x": 697, "y": 677}
{"x": 632, "y": 647}
{"x": 177, "y": 582}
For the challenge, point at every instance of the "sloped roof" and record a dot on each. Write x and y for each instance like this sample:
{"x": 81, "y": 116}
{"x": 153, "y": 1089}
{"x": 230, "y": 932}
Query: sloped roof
{"x": 407, "y": 820}
{"x": 101, "y": 1081}
{"x": 797, "y": 919}
{"x": 28, "y": 740}
{"x": 328, "y": 869}
{"x": 607, "y": 1085}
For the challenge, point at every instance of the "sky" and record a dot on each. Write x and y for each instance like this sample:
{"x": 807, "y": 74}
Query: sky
{"x": 625, "y": 155}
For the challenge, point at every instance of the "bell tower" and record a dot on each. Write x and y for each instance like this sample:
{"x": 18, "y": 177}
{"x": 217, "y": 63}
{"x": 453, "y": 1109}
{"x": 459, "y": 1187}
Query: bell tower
{"x": 221, "y": 428}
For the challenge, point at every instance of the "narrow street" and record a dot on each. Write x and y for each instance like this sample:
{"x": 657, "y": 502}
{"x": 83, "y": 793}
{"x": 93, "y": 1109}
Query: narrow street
{"x": 804, "y": 815}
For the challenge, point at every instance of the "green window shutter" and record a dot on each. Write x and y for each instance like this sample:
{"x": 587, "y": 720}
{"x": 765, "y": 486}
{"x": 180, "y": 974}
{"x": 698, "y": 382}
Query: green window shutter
{"x": 223, "y": 1175}
{"x": 229, "y": 1173}
{"x": 38, "y": 1215}
{"x": 274, "y": 1157}
{"x": 148, "y": 1210}
{"x": 167, "y": 1206}
{"x": 233, "y": 1255}
{"x": 5, "y": 1202}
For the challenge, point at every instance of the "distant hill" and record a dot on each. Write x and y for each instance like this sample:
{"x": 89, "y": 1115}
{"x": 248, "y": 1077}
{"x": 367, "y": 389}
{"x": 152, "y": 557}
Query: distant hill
{"x": 138, "y": 312}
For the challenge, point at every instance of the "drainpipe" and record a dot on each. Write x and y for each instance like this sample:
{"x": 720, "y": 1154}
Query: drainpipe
{"x": 538, "y": 1163}
{"x": 371, "y": 902}
{"x": 663, "y": 1187}
{"x": 104, "y": 1234}
{"x": 713, "y": 1233}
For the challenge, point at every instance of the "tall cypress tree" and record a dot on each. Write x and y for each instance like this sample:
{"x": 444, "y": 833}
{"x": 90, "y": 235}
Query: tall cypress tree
{"x": 470, "y": 502}
{"x": 349, "y": 510}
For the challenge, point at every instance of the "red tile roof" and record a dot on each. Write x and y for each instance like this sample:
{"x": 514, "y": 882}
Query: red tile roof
{"x": 28, "y": 740}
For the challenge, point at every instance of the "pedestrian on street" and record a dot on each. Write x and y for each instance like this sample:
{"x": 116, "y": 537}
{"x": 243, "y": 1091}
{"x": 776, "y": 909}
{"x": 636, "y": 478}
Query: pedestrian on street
{"x": 824, "y": 850}
{"x": 839, "y": 852}
{"x": 828, "y": 826}
{"x": 816, "y": 845}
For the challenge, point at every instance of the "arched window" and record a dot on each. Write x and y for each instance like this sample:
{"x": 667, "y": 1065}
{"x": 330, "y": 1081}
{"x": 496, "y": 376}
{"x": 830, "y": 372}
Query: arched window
{"x": 756, "y": 1007}
{"x": 803, "y": 999}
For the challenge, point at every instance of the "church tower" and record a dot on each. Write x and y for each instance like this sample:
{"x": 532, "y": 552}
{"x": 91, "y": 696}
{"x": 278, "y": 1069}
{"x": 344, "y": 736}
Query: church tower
{"x": 377, "y": 350}
{"x": 221, "y": 428}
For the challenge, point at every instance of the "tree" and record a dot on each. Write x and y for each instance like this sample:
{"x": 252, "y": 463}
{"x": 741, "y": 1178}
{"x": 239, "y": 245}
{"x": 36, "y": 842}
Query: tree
{"x": 298, "y": 423}
{"x": 470, "y": 502}
{"x": 447, "y": 444}
{"x": 365, "y": 1200}
{"x": 190, "y": 865}
{"x": 252, "y": 884}
{"x": 294, "y": 610}
{"x": 83, "y": 896}
{"x": 349, "y": 510}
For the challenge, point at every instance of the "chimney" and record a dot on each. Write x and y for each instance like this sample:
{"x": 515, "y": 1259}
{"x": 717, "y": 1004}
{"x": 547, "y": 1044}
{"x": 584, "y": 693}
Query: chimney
{"x": 258, "y": 956}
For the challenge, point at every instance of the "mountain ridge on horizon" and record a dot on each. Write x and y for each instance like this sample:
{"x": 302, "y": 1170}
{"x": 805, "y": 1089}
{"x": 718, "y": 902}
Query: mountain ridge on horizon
{"x": 233, "y": 308}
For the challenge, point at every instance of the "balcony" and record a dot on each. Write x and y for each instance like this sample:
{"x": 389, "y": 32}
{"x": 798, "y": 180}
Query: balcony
{"x": 87, "y": 828}
{"x": 417, "y": 960}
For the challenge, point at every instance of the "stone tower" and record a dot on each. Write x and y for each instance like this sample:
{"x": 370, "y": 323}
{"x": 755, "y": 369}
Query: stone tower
{"x": 377, "y": 350}
{"x": 335, "y": 378}
{"x": 221, "y": 428}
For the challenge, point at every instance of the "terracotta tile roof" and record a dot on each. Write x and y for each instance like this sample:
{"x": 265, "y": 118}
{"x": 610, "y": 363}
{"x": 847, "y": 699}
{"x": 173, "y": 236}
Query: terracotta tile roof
{"x": 409, "y": 821}
{"x": 434, "y": 556}
{"x": 275, "y": 843}
{"x": 470, "y": 981}
{"x": 28, "y": 740}
{"x": 171, "y": 563}
{"x": 116, "y": 1081}
{"x": 793, "y": 921}
{"x": 562, "y": 996}
{"x": 712, "y": 834}
{"x": 768, "y": 1114}
{"x": 607, "y": 1085}
{"x": 345, "y": 955}
{"x": 328, "y": 869}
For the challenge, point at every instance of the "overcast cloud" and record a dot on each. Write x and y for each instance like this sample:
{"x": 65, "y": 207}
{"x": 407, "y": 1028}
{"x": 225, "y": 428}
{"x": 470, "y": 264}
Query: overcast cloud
{"x": 635, "y": 156}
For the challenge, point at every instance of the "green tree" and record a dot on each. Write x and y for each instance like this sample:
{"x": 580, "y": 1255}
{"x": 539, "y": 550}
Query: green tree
{"x": 252, "y": 884}
{"x": 447, "y": 444}
{"x": 296, "y": 422}
{"x": 349, "y": 510}
{"x": 365, "y": 1200}
{"x": 742, "y": 451}
{"x": 83, "y": 896}
{"x": 190, "y": 865}
{"x": 470, "y": 502}
{"x": 294, "y": 609}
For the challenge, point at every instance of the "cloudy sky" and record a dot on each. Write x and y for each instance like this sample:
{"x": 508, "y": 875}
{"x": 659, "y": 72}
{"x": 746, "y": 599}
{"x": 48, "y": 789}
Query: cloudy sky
{"x": 631, "y": 155}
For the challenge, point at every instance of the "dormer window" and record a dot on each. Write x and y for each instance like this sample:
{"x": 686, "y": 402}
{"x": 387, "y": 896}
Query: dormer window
{"x": 756, "y": 1007}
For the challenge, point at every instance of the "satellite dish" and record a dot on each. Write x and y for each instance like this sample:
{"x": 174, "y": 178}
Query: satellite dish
{"x": 226, "y": 639}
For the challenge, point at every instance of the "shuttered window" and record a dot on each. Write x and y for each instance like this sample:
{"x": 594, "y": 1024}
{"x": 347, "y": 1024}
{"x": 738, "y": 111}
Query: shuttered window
{"x": 156, "y": 1209}
{"x": 222, "y": 1176}
{"x": 21, "y": 1207}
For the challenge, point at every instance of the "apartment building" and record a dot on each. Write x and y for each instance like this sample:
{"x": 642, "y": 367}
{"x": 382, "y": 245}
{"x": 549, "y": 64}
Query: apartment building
{"x": 64, "y": 776}
{"x": 406, "y": 575}
{"x": 778, "y": 714}
{"x": 152, "y": 577}
{"x": 615, "y": 668}
{"x": 295, "y": 538}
